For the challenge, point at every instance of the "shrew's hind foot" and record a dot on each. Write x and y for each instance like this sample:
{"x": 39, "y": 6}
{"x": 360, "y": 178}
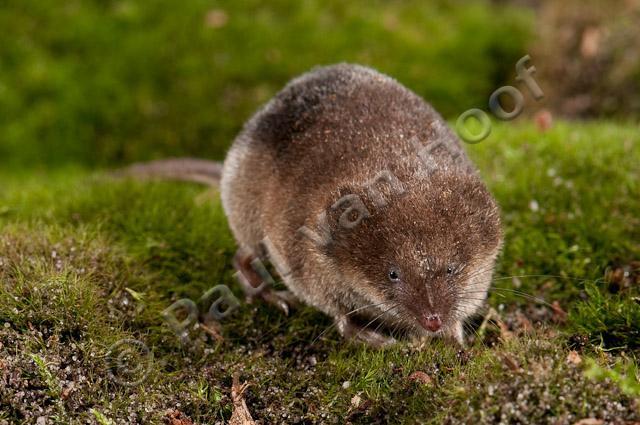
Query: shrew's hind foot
{"x": 255, "y": 281}
{"x": 352, "y": 331}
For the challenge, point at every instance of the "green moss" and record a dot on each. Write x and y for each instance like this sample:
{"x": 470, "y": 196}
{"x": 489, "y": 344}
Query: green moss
{"x": 87, "y": 261}
{"x": 611, "y": 320}
{"x": 623, "y": 374}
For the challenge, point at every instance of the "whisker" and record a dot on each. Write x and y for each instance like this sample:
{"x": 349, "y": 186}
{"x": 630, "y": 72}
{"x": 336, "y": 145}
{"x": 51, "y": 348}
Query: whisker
{"x": 333, "y": 325}
{"x": 376, "y": 318}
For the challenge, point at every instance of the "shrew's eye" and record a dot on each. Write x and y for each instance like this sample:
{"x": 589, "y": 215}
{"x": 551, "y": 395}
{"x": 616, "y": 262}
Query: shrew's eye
{"x": 394, "y": 276}
{"x": 450, "y": 270}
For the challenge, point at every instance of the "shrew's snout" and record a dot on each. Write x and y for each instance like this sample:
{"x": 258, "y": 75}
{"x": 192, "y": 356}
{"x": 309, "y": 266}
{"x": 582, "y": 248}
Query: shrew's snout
{"x": 431, "y": 322}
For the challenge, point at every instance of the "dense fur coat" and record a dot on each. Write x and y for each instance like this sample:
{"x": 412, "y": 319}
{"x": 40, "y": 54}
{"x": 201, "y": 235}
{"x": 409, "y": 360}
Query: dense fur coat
{"x": 366, "y": 202}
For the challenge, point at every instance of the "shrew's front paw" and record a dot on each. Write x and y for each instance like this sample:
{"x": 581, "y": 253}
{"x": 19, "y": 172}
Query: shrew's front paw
{"x": 354, "y": 332}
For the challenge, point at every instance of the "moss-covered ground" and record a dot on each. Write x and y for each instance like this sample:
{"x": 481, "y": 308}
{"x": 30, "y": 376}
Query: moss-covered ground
{"x": 87, "y": 262}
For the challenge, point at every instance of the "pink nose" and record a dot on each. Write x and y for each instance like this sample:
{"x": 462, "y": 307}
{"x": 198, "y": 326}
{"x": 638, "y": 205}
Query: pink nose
{"x": 432, "y": 322}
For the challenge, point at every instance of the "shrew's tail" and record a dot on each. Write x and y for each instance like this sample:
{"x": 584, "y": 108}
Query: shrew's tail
{"x": 185, "y": 169}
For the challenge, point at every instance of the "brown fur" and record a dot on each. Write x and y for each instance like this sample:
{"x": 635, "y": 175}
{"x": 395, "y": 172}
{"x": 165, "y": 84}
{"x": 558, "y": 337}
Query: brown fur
{"x": 327, "y": 135}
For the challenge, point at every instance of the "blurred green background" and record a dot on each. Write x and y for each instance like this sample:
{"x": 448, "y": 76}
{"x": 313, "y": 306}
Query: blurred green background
{"x": 86, "y": 261}
{"x": 102, "y": 82}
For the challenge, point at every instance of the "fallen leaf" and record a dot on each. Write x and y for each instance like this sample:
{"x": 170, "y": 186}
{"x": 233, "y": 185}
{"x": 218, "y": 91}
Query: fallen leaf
{"x": 510, "y": 362}
{"x": 559, "y": 315}
{"x": 66, "y": 392}
{"x": 356, "y": 400}
{"x": 213, "y": 328}
{"x": 505, "y": 333}
{"x": 176, "y": 417}
{"x": 574, "y": 358}
{"x": 421, "y": 378}
{"x": 492, "y": 315}
{"x": 241, "y": 415}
